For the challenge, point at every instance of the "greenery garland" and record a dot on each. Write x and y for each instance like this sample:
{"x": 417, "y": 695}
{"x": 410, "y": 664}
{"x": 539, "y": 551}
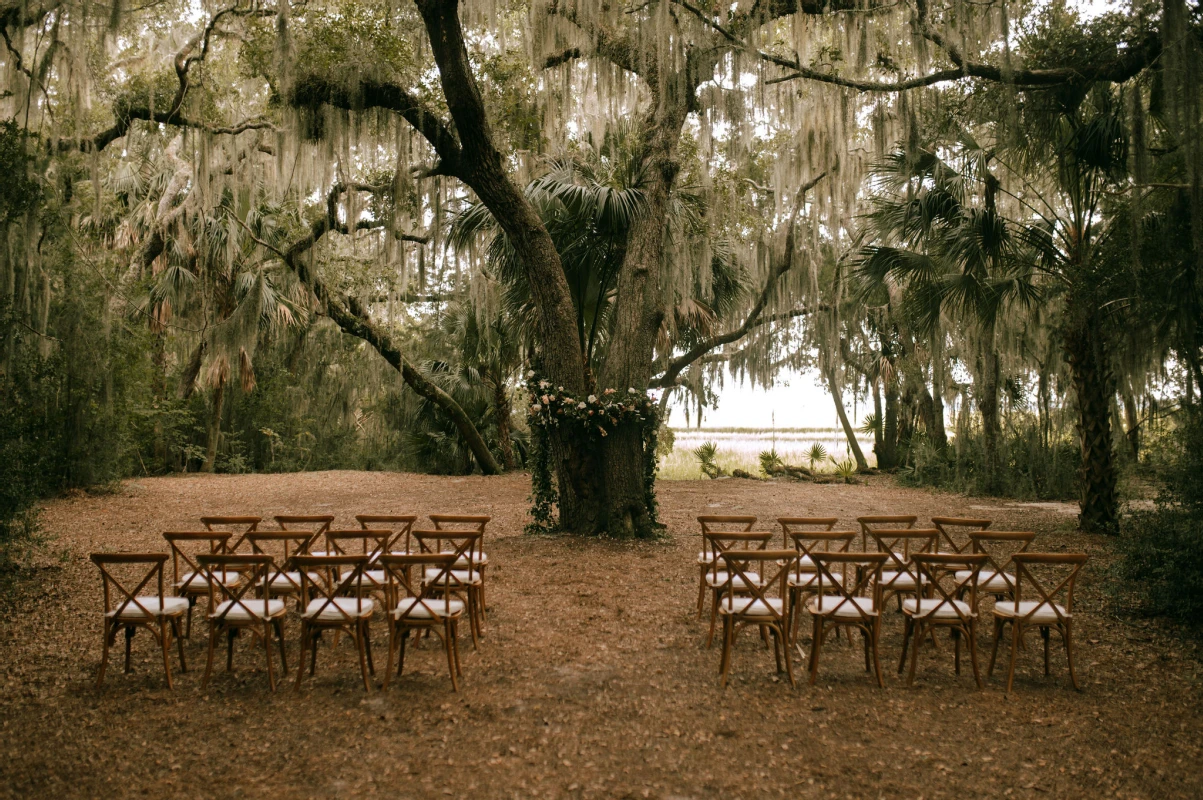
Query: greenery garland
{"x": 594, "y": 417}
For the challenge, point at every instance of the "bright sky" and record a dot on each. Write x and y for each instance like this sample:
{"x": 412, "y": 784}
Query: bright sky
{"x": 799, "y": 400}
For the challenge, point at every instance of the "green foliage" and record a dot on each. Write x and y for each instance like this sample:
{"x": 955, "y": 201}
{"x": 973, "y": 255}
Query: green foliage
{"x": 1159, "y": 570}
{"x": 845, "y": 469}
{"x": 705, "y": 453}
{"x": 770, "y": 462}
{"x": 816, "y": 455}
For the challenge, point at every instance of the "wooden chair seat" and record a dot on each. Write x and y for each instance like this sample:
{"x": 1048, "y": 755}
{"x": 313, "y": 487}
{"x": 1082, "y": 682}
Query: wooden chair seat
{"x": 989, "y": 582}
{"x": 250, "y": 609}
{"x": 333, "y": 609}
{"x": 804, "y": 580}
{"x": 480, "y": 560}
{"x": 840, "y": 607}
{"x": 1032, "y": 611}
{"x": 894, "y": 579}
{"x": 149, "y": 607}
{"x": 743, "y": 605}
{"x": 737, "y": 582}
{"x": 290, "y": 581}
{"x": 463, "y": 577}
{"x": 936, "y": 608}
{"x": 429, "y": 608}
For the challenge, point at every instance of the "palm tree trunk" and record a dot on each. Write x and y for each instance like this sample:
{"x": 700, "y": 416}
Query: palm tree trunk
{"x": 1132, "y": 415}
{"x": 1093, "y": 382}
{"x": 935, "y": 421}
{"x": 836, "y": 395}
{"x": 214, "y": 428}
{"x": 501, "y": 409}
{"x": 987, "y": 403}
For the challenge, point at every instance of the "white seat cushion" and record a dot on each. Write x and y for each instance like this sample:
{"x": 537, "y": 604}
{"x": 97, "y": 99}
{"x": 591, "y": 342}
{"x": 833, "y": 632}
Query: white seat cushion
{"x": 460, "y": 576}
{"x": 375, "y": 577}
{"x": 127, "y": 609}
{"x": 989, "y": 582}
{"x": 284, "y": 581}
{"x": 705, "y": 558}
{"x": 250, "y": 608}
{"x": 936, "y": 608}
{"x": 196, "y": 583}
{"x": 751, "y": 606}
{"x": 479, "y": 559}
{"x": 897, "y": 580}
{"x": 350, "y": 606}
{"x": 811, "y": 579}
{"x": 440, "y": 607}
{"x": 737, "y": 582}
{"x": 840, "y": 607}
{"x": 1043, "y": 611}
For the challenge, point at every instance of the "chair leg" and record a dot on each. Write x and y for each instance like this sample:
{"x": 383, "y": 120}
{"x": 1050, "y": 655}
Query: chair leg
{"x": 213, "y": 634}
{"x": 450, "y": 656}
{"x": 315, "y": 634}
{"x": 279, "y": 626}
{"x": 401, "y": 659}
{"x": 1069, "y": 655}
{"x": 271, "y": 662}
{"x": 179, "y": 641}
{"x": 455, "y": 646}
{"x": 1044, "y": 635}
{"x": 998, "y": 626}
{"x": 864, "y": 635}
{"x": 188, "y": 627}
{"x": 777, "y": 648}
{"x": 165, "y": 646}
{"x": 977, "y": 673}
{"x": 815, "y": 646}
{"x": 876, "y": 655}
{"x": 230, "y": 648}
{"x": 956, "y": 650}
{"x": 789, "y": 664}
{"x": 363, "y": 661}
{"x": 367, "y": 646}
{"x": 129, "y": 638}
{"x": 716, "y": 595}
{"x": 728, "y": 642}
{"x": 104, "y": 656}
{"x": 300, "y": 656}
{"x": 907, "y": 627}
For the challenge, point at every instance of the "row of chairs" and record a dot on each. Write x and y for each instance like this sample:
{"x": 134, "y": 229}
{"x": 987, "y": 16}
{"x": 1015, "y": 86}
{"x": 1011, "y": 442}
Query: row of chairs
{"x": 424, "y": 580}
{"x": 819, "y": 570}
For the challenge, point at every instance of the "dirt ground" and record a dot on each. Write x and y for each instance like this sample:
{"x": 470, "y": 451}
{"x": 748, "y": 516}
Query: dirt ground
{"x": 592, "y": 680}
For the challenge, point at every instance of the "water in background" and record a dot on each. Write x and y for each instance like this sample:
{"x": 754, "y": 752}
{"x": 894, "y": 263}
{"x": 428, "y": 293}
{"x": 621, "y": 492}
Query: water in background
{"x": 740, "y": 448}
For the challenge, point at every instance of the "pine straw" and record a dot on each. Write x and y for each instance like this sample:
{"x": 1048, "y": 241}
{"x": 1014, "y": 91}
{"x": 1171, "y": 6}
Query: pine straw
{"x": 592, "y": 681}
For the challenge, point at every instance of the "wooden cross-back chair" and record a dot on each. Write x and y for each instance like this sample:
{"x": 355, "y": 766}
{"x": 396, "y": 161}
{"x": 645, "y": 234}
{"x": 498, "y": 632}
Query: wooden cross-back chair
{"x": 939, "y": 604}
{"x": 282, "y": 580}
{"x": 899, "y": 576}
{"x": 791, "y": 525}
{"x": 954, "y": 531}
{"x": 755, "y": 605}
{"x": 400, "y": 524}
{"x": 718, "y": 580}
{"x": 843, "y": 602}
{"x": 369, "y": 542}
{"x": 187, "y": 578}
{"x": 804, "y": 578}
{"x": 232, "y": 609}
{"x": 468, "y": 522}
{"x": 463, "y": 582}
{"x": 315, "y": 525}
{"x": 339, "y": 607}
{"x": 999, "y": 547}
{"x": 882, "y": 522}
{"x": 716, "y": 523}
{"x": 420, "y": 601}
{"x": 240, "y": 526}
{"x": 127, "y": 608}
{"x": 1036, "y": 605}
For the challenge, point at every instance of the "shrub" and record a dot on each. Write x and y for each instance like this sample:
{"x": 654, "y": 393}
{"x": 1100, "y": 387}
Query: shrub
{"x": 1160, "y": 552}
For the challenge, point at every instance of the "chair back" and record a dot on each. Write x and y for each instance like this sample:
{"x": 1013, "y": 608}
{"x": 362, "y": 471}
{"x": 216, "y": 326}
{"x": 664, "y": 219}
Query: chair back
{"x": 955, "y": 530}
{"x": 406, "y": 577}
{"x": 462, "y": 544}
{"x": 901, "y": 545}
{"x": 717, "y": 523}
{"x": 790, "y": 525}
{"x": 460, "y": 522}
{"x": 350, "y": 570}
{"x": 1044, "y": 578}
{"x": 369, "y": 542}
{"x": 773, "y": 567}
{"x": 882, "y": 521}
{"x": 865, "y": 581}
{"x": 240, "y": 526}
{"x": 400, "y": 524}
{"x": 119, "y": 571}
{"x": 280, "y": 547}
{"x": 936, "y": 581}
{"x": 999, "y": 548}
{"x": 715, "y": 543}
{"x": 255, "y": 567}
{"x": 315, "y": 524}
{"x": 187, "y": 545}
{"x": 808, "y": 543}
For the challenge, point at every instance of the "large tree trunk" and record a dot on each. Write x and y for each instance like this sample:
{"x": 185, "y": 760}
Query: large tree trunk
{"x": 837, "y": 396}
{"x": 1132, "y": 417}
{"x": 1094, "y": 385}
{"x": 501, "y": 410}
{"x": 935, "y": 420}
{"x": 987, "y": 403}
{"x": 887, "y": 448}
{"x": 214, "y": 433}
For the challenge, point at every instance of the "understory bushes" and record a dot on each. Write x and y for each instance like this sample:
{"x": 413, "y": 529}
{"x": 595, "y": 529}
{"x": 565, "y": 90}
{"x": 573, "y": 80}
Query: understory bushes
{"x": 1159, "y": 569}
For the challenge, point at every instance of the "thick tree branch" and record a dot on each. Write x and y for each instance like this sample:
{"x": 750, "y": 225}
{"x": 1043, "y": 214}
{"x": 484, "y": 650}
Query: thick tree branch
{"x": 126, "y": 117}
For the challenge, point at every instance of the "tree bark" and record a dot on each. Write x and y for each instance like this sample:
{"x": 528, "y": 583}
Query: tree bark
{"x": 214, "y": 437}
{"x": 987, "y": 403}
{"x": 837, "y": 396}
{"x": 935, "y": 421}
{"x": 501, "y": 410}
{"x": 1094, "y": 384}
{"x": 1132, "y": 418}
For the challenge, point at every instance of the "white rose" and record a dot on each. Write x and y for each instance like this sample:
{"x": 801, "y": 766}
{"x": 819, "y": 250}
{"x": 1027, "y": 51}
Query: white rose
{"x": 581, "y": 406}
{"x": 543, "y": 384}
{"x": 530, "y": 374}
{"x": 536, "y": 408}
{"x": 592, "y": 398}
